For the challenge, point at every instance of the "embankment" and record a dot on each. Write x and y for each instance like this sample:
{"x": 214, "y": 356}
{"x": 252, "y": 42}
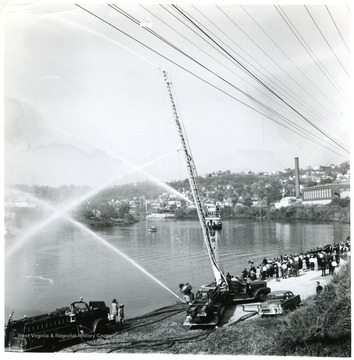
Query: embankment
{"x": 320, "y": 327}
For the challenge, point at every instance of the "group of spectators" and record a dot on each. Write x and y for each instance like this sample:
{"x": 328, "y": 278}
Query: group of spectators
{"x": 326, "y": 259}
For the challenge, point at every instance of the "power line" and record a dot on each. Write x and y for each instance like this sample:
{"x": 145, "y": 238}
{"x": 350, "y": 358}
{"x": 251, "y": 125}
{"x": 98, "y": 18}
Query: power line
{"x": 209, "y": 55}
{"x": 245, "y": 60}
{"x": 121, "y": 11}
{"x": 335, "y": 24}
{"x": 299, "y": 69}
{"x": 265, "y": 53}
{"x": 262, "y": 83}
{"x": 313, "y": 112}
{"x": 282, "y": 90}
{"x": 309, "y": 51}
{"x": 299, "y": 104}
{"x": 324, "y": 38}
{"x": 200, "y": 78}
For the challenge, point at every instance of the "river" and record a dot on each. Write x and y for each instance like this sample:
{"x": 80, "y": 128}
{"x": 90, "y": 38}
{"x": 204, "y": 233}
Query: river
{"x": 61, "y": 263}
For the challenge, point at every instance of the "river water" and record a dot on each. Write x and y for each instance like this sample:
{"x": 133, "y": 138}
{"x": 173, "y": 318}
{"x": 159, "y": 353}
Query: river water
{"x": 61, "y": 263}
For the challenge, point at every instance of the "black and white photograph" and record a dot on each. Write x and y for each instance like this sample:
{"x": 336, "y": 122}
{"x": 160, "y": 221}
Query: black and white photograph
{"x": 176, "y": 178}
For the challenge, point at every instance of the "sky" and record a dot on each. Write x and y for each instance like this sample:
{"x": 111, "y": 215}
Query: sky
{"x": 86, "y": 104}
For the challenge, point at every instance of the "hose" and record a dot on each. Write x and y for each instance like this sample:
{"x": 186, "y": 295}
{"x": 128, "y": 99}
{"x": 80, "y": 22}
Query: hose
{"x": 170, "y": 312}
{"x": 168, "y": 341}
{"x": 244, "y": 317}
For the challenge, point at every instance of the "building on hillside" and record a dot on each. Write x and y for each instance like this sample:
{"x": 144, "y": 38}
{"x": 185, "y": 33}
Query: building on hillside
{"x": 324, "y": 194}
{"x": 286, "y": 201}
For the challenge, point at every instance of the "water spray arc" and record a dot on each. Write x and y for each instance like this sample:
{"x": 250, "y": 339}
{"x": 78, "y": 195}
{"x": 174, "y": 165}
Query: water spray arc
{"x": 104, "y": 242}
{"x": 134, "y": 168}
{"x": 86, "y": 196}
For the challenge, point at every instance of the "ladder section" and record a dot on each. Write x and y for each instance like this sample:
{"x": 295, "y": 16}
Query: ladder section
{"x": 209, "y": 240}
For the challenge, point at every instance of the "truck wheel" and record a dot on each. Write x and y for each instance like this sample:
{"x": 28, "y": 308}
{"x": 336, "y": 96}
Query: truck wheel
{"x": 99, "y": 325}
{"x": 262, "y": 296}
{"x": 52, "y": 345}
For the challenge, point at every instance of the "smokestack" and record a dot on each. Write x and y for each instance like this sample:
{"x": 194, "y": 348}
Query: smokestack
{"x": 297, "y": 178}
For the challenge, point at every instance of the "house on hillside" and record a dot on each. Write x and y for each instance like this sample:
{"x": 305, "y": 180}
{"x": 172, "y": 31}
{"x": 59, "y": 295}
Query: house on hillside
{"x": 286, "y": 201}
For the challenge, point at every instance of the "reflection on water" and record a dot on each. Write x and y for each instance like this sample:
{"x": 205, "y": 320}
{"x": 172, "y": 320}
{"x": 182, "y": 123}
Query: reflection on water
{"x": 282, "y": 231}
{"x": 62, "y": 263}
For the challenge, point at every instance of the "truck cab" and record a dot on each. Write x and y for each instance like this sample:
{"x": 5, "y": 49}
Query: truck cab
{"x": 240, "y": 290}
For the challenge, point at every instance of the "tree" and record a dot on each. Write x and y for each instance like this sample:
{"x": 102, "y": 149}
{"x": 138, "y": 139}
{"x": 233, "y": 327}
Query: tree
{"x": 107, "y": 211}
{"x": 123, "y": 209}
{"x": 344, "y": 167}
{"x": 326, "y": 181}
{"x": 248, "y": 200}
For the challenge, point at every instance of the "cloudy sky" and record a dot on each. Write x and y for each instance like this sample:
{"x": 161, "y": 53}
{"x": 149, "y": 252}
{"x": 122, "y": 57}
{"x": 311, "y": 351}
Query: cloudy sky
{"x": 256, "y": 86}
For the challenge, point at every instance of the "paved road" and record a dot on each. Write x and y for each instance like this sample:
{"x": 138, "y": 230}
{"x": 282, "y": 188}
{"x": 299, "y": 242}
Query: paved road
{"x": 303, "y": 285}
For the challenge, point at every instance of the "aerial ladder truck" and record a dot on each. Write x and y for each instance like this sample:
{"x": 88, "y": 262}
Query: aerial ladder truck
{"x": 210, "y": 301}
{"x": 206, "y": 307}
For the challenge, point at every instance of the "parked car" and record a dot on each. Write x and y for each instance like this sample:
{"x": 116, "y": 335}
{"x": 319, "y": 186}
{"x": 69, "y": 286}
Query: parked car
{"x": 279, "y": 302}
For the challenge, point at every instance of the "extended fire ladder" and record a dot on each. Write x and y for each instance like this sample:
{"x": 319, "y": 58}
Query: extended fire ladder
{"x": 209, "y": 239}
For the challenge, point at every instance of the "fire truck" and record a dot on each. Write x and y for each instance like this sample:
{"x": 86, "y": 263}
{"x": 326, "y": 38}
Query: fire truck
{"x": 206, "y": 308}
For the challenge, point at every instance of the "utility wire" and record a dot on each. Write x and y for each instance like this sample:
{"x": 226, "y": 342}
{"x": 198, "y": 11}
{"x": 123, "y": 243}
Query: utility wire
{"x": 313, "y": 112}
{"x": 299, "y": 103}
{"x": 335, "y": 24}
{"x": 262, "y": 83}
{"x": 271, "y": 81}
{"x": 282, "y": 90}
{"x": 221, "y": 52}
{"x": 198, "y": 77}
{"x": 298, "y": 68}
{"x": 309, "y": 51}
{"x": 216, "y": 60}
{"x": 204, "y": 67}
{"x": 324, "y": 38}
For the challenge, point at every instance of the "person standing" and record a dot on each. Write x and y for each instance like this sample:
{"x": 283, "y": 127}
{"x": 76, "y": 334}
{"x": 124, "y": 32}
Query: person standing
{"x": 312, "y": 262}
{"x": 324, "y": 264}
{"x": 264, "y": 272}
{"x": 284, "y": 268}
{"x": 276, "y": 271}
{"x": 114, "y": 309}
{"x": 258, "y": 272}
{"x": 120, "y": 317}
{"x": 320, "y": 260}
{"x": 333, "y": 266}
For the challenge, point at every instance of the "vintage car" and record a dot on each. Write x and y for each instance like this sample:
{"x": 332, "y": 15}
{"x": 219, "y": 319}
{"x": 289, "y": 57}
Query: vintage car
{"x": 279, "y": 302}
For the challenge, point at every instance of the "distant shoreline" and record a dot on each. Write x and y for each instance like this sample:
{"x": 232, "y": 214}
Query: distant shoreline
{"x": 101, "y": 222}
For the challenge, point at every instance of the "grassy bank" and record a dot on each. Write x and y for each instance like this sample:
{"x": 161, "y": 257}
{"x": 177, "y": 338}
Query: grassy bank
{"x": 321, "y": 327}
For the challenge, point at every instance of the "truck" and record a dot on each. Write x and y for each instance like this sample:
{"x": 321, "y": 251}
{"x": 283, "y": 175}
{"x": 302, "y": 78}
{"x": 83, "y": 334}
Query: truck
{"x": 207, "y": 306}
{"x": 47, "y": 331}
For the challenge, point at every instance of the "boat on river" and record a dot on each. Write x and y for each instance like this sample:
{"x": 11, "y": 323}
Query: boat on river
{"x": 214, "y": 222}
{"x": 212, "y": 217}
{"x": 152, "y": 228}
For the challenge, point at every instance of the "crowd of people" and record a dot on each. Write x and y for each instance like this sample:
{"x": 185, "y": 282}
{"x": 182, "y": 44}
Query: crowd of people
{"x": 327, "y": 259}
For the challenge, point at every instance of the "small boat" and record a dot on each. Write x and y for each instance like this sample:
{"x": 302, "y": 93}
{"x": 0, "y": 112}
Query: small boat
{"x": 213, "y": 222}
{"x": 152, "y": 228}
{"x": 212, "y": 219}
